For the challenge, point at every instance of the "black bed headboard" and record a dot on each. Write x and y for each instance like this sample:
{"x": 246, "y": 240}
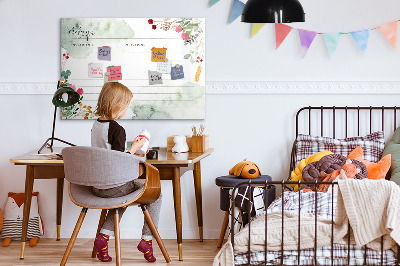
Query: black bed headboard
{"x": 344, "y": 121}
{"x": 360, "y": 112}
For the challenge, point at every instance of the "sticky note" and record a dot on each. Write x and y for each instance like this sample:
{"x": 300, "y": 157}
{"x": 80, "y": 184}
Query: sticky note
{"x": 115, "y": 73}
{"x": 155, "y": 78}
{"x": 164, "y": 67}
{"x": 95, "y": 70}
{"x": 158, "y": 54}
{"x": 177, "y": 72}
{"x": 104, "y": 53}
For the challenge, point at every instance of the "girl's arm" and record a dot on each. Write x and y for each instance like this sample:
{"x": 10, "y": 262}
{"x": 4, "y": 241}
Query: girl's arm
{"x": 136, "y": 145}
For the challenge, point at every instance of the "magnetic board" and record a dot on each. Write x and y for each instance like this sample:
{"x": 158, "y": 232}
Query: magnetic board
{"x": 161, "y": 60}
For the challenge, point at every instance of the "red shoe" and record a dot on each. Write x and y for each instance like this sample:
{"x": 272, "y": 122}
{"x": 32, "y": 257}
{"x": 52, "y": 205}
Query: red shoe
{"x": 101, "y": 245}
{"x": 146, "y": 247}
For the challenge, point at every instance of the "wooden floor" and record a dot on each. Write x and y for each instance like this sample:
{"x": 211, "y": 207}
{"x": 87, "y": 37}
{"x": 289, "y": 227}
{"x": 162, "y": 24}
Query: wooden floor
{"x": 50, "y": 252}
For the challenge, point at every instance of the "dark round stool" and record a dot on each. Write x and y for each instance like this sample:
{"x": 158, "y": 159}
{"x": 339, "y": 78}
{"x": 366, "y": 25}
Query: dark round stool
{"x": 228, "y": 182}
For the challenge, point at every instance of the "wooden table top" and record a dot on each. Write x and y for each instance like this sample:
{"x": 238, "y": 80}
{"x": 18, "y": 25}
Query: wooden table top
{"x": 164, "y": 157}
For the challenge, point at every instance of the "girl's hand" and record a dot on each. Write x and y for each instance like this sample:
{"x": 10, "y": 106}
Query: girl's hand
{"x": 142, "y": 155}
{"x": 137, "y": 144}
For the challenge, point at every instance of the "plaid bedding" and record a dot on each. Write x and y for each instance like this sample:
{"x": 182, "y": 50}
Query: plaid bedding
{"x": 340, "y": 253}
{"x": 372, "y": 145}
{"x": 322, "y": 207}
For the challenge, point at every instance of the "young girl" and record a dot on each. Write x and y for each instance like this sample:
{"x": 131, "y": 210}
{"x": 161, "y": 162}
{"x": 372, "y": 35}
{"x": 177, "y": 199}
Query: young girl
{"x": 113, "y": 102}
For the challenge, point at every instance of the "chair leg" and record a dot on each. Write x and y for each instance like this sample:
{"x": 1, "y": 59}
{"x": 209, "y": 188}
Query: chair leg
{"x": 154, "y": 230}
{"x": 117, "y": 239}
{"x": 223, "y": 229}
{"x": 101, "y": 222}
{"x": 73, "y": 237}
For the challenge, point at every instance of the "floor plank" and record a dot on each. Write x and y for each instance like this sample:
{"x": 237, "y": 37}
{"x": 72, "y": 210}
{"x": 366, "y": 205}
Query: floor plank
{"x": 49, "y": 252}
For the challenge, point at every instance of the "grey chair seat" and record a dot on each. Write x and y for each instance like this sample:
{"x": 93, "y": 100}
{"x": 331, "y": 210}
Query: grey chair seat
{"x": 83, "y": 196}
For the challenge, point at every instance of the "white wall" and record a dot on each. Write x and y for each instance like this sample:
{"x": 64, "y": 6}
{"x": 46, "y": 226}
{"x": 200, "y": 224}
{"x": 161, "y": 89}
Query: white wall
{"x": 259, "y": 127}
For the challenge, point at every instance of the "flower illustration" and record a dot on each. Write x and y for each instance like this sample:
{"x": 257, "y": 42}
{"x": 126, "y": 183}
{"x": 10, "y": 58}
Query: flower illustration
{"x": 179, "y": 29}
{"x": 185, "y": 36}
{"x": 191, "y": 32}
{"x": 72, "y": 86}
{"x": 80, "y": 91}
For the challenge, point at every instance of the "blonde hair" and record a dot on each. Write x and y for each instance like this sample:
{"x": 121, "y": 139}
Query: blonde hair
{"x": 113, "y": 98}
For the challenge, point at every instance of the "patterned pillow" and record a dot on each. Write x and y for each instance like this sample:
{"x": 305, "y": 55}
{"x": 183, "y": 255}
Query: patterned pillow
{"x": 372, "y": 144}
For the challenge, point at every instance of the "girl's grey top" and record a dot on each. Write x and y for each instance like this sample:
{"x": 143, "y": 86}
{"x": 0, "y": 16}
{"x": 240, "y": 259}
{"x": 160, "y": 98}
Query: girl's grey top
{"x": 110, "y": 135}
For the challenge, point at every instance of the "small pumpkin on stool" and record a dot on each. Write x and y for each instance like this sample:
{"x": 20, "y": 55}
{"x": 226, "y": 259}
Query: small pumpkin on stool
{"x": 245, "y": 169}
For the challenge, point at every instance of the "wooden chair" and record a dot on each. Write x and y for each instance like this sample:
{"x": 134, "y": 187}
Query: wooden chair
{"x": 85, "y": 167}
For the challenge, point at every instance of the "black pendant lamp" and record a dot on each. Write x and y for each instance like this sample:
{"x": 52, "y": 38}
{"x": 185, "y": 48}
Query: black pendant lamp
{"x": 273, "y": 11}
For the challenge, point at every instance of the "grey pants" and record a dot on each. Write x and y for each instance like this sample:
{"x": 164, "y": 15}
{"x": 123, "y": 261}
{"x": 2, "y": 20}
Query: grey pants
{"x": 154, "y": 208}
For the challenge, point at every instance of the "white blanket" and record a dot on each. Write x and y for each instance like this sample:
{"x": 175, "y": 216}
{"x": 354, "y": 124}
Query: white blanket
{"x": 371, "y": 206}
{"x": 373, "y": 209}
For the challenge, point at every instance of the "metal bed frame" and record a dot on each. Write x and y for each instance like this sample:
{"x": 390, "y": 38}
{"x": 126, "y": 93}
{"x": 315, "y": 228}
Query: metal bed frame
{"x": 284, "y": 183}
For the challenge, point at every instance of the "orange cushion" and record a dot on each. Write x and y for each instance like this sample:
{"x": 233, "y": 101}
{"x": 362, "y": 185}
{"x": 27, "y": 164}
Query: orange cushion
{"x": 375, "y": 170}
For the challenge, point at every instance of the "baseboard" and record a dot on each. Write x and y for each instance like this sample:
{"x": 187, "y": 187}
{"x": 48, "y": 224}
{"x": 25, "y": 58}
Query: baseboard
{"x": 250, "y": 87}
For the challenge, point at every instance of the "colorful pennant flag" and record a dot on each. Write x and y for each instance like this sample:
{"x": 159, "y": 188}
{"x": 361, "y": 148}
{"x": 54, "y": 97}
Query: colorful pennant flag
{"x": 332, "y": 41}
{"x": 306, "y": 39}
{"x": 256, "y": 27}
{"x": 237, "y": 9}
{"x": 361, "y": 37}
{"x": 389, "y": 30}
{"x": 281, "y": 31}
{"x": 213, "y": 2}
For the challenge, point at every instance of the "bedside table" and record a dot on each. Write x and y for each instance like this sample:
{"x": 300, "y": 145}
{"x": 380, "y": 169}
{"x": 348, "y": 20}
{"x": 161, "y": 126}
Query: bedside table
{"x": 228, "y": 182}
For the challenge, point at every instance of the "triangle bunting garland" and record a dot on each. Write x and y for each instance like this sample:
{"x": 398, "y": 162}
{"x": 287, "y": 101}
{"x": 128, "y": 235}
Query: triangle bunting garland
{"x": 332, "y": 41}
{"x": 213, "y": 2}
{"x": 361, "y": 37}
{"x": 281, "y": 31}
{"x": 237, "y": 9}
{"x": 306, "y": 39}
{"x": 256, "y": 27}
{"x": 389, "y": 30}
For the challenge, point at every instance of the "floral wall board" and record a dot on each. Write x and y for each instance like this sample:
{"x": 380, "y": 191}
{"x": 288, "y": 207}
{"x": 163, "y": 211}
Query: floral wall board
{"x": 162, "y": 61}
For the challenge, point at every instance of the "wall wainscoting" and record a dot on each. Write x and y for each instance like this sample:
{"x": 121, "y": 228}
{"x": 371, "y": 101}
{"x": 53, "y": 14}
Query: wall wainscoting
{"x": 251, "y": 87}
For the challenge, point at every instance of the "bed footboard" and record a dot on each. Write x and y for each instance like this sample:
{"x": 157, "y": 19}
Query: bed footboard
{"x": 333, "y": 260}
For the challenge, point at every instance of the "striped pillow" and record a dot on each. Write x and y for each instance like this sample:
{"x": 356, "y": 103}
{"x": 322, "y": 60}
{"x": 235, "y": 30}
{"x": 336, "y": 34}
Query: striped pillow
{"x": 13, "y": 228}
{"x": 372, "y": 145}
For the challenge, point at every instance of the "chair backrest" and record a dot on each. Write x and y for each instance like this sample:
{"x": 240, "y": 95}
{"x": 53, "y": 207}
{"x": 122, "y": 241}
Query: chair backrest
{"x": 92, "y": 166}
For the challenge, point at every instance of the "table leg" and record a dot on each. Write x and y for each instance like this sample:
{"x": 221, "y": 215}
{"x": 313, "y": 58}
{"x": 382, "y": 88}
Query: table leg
{"x": 199, "y": 204}
{"x": 27, "y": 206}
{"x": 176, "y": 183}
{"x": 60, "y": 190}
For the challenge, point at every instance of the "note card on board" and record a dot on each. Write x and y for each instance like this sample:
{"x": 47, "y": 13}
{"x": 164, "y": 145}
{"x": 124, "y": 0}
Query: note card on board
{"x": 158, "y": 54}
{"x": 164, "y": 67}
{"x": 95, "y": 70}
{"x": 177, "y": 72}
{"x": 155, "y": 78}
{"x": 115, "y": 73}
{"x": 104, "y": 53}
